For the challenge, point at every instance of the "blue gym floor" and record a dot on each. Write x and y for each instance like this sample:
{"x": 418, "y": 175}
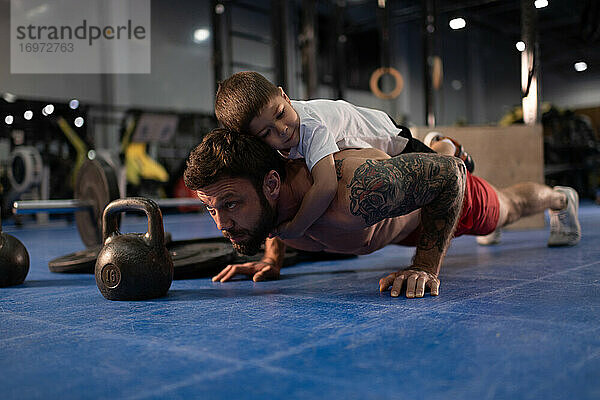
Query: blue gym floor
{"x": 516, "y": 321}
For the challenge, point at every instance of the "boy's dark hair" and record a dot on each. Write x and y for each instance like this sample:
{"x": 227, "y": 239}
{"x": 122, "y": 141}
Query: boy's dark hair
{"x": 241, "y": 97}
{"x": 226, "y": 154}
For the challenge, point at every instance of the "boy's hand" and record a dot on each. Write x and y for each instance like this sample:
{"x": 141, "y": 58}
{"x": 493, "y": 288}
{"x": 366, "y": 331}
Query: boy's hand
{"x": 287, "y": 230}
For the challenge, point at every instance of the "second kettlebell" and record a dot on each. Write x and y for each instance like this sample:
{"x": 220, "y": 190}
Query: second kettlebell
{"x": 14, "y": 260}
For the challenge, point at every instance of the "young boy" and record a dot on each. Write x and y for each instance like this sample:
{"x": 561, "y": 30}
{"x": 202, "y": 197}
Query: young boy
{"x": 313, "y": 130}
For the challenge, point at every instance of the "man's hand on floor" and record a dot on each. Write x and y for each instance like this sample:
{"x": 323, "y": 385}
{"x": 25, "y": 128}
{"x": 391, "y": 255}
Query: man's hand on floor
{"x": 416, "y": 281}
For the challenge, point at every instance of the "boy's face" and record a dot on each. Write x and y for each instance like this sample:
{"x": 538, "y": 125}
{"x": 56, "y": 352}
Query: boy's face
{"x": 277, "y": 123}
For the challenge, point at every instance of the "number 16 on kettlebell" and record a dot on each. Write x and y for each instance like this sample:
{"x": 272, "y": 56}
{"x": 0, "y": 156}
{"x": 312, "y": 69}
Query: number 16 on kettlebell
{"x": 133, "y": 266}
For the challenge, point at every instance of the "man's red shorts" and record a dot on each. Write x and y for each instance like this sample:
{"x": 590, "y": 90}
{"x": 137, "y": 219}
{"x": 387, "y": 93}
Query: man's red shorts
{"x": 481, "y": 208}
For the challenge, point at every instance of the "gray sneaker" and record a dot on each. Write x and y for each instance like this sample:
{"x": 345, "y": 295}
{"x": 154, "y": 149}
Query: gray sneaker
{"x": 491, "y": 239}
{"x": 564, "y": 224}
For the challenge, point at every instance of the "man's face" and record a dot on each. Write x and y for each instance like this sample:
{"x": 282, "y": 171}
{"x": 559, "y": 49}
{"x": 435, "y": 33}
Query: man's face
{"x": 244, "y": 216}
{"x": 278, "y": 123}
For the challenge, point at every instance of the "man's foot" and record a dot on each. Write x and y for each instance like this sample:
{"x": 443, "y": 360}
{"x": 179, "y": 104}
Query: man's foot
{"x": 491, "y": 239}
{"x": 460, "y": 152}
{"x": 564, "y": 224}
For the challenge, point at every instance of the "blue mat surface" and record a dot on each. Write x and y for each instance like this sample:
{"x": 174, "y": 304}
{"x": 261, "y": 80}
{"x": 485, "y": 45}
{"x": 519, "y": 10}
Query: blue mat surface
{"x": 519, "y": 320}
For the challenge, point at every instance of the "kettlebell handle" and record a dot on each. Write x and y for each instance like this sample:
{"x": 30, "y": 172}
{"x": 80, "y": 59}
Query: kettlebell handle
{"x": 156, "y": 233}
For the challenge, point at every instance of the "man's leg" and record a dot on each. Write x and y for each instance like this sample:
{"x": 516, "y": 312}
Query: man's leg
{"x": 524, "y": 199}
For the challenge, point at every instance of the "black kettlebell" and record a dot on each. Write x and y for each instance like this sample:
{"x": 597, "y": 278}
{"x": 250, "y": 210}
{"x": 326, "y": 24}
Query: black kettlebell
{"x": 14, "y": 260}
{"x": 133, "y": 266}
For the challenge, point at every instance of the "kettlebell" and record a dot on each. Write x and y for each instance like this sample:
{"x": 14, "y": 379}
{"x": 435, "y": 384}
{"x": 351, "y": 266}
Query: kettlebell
{"x": 133, "y": 266}
{"x": 14, "y": 260}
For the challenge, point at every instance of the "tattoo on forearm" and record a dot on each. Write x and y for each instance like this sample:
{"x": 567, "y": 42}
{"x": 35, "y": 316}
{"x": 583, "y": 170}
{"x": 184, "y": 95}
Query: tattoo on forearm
{"x": 338, "y": 168}
{"x": 394, "y": 187}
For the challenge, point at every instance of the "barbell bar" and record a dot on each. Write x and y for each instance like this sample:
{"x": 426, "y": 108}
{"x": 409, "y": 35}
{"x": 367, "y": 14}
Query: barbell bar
{"x": 72, "y": 205}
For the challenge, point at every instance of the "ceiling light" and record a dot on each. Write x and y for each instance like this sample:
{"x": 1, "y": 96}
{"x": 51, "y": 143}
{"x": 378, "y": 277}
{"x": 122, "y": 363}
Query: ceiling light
{"x": 74, "y": 104}
{"x": 580, "y": 66}
{"x": 457, "y": 23}
{"x": 9, "y": 119}
{"x": 200, "y": 35}
{"x": 541, "y": 3}
{"x": 520, "y": 45}
{"x": 78, "y": 122}
{"x": 28, "y": 115}
{"x": 49, "y": 109}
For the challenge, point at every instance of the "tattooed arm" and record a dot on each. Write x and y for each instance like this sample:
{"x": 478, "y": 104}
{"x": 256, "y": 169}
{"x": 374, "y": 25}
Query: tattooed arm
{"x": 397, "y": 186}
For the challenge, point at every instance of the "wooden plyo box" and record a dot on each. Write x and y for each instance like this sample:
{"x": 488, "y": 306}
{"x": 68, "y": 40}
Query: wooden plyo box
{"x": 503, "y": 156}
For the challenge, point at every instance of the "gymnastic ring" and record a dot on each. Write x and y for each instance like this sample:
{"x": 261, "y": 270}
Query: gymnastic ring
{"x": 374, "y": 82}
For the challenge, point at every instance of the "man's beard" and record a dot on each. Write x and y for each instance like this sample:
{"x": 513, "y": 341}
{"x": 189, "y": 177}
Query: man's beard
{"x": 257, "y": 236}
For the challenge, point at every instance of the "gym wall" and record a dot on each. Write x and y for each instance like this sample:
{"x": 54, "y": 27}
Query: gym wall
{"x": 517, "y": 149}
{"x": 483, "y": 63}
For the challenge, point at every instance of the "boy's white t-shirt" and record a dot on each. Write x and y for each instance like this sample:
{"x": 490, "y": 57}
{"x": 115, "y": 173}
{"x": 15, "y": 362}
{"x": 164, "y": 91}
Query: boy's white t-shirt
{"x": 327, "y": 126}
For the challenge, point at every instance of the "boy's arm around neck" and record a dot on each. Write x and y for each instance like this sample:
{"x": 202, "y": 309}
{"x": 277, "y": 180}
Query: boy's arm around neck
{"x": 316, "y": 200}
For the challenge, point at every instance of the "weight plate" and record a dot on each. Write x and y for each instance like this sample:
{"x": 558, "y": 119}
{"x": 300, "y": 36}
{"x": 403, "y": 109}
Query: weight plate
{"x": 96, "y": 184}
{"x": 26, "y": 168}
{"x": 194, "y": 258}
{"x": 82, "y": 262}
{"x": 200, "y": 257}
